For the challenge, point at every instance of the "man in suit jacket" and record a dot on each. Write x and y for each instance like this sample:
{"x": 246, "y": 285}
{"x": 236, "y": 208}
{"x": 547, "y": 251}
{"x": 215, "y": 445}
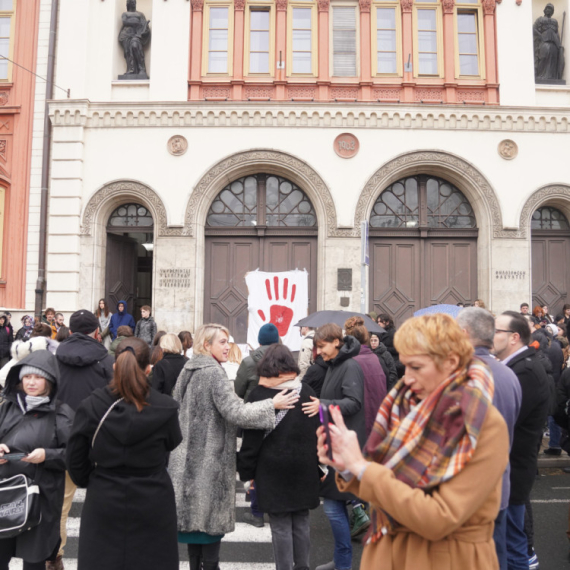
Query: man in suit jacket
{"x": 512, "y": 336}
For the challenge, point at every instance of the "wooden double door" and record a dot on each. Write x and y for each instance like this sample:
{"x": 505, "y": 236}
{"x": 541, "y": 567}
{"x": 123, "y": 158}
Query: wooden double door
{"x": 550, "y": 269}
{"x": 407, "y": 274}
{"x": 228, "y": 259}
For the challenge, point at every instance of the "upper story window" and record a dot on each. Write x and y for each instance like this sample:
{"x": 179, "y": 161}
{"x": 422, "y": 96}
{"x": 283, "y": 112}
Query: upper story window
{"x": 548, "y": 218}
{"x": 302, "y": 38}
{"x": 130, "y": 216}
{"x": 6, "y": 34}
{"x": 428, "y": 49}
{"x": 469, "y": 41}
{"x": 344, "y": 41}
{"x": 218, "y": 25}
{"x": 259, "y": 42}
{"x": 401, "y": 205}
{"x": 386, "y": 39}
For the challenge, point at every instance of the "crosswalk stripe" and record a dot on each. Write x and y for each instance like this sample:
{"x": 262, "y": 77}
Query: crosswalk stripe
{"x": 243, "y": 532}
{"x": 71, "y": 564}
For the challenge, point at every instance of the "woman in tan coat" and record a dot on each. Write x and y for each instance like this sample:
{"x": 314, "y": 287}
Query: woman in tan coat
{"x": 432, "y": 467}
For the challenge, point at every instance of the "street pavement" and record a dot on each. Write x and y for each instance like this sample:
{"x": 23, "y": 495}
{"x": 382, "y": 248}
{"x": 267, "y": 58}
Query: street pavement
{"x": 249, "y": 548}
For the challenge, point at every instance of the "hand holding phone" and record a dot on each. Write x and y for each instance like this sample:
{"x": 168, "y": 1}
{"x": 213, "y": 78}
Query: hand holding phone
{"x": 324, "y": 415}
{"x": 13, "y": 456}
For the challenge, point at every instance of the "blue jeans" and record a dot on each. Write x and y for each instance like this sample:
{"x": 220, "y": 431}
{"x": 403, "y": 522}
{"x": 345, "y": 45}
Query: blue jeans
{"x": 517, "y": 543}
{"x": 555, "y": 433}
{"x": 500, "y": 538}
{"x": 338, "y": 518}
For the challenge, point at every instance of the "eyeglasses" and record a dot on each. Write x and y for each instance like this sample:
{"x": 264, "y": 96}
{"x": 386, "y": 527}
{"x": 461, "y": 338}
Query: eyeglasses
{"x": 503, "y": 330}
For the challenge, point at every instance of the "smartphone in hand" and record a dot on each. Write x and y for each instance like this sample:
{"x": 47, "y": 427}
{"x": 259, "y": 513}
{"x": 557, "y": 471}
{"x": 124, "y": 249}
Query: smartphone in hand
{"x": 13, "y": 456}
{"x": 324, "y": 415}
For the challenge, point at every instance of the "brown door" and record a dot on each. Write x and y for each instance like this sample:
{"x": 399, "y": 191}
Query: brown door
{"x": 550, "y": 269}
{"x": 228, "y": 259}
{"x": 121, "y": 272}
{"x": 407, "y": 274}
{"x": 451, "y": 271}
{"x": 395, "y": 277}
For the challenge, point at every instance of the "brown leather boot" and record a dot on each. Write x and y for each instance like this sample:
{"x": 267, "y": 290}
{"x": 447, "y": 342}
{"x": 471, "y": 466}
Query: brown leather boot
{"x": 56, "y": 564}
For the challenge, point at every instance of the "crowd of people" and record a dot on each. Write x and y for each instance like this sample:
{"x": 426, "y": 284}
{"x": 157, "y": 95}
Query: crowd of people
{"x": 426, "y": 437}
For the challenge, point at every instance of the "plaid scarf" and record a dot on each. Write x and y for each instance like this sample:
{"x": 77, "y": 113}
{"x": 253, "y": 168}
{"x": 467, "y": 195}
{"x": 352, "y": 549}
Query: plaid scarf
{"x": 427, "y": 442}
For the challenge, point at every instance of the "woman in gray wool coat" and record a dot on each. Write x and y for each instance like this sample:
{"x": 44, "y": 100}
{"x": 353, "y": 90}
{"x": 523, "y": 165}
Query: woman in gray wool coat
{"x": 203, "y": 467}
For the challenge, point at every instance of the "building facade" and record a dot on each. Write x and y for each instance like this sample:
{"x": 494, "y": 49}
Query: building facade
{"x": 268, "y": 131}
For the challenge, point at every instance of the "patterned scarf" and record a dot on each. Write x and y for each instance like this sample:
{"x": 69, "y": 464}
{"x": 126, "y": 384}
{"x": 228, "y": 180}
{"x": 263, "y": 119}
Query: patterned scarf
{"x": 427, "y": 442}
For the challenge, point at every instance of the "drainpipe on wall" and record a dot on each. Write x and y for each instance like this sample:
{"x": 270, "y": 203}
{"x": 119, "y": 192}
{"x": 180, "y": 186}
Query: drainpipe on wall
{"x": 41, "y": 282}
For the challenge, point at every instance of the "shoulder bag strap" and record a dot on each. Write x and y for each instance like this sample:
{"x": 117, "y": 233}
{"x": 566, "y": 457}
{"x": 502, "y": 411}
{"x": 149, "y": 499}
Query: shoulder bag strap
{"x": 103, "y": 419}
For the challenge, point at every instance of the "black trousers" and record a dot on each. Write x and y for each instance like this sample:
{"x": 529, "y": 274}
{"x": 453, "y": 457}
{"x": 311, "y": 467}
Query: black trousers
{"x": 207, "y": 554}
{"x": 8, "y": 551}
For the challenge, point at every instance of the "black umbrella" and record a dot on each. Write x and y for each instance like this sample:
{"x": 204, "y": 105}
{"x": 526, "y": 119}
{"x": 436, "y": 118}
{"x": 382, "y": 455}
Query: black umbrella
{"x": 320, "y": 318}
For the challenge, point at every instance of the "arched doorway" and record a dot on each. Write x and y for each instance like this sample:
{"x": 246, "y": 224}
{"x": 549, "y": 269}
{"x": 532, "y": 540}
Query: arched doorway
{"x": 550, "y": 233}
{"x": 423, "y": 247}
{"x": 258, "y": 221}
{"x": 128, "y": 276}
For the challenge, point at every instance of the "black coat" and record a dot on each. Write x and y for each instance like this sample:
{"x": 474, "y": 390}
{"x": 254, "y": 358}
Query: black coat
{"x": 388, "y": 365}
{"x": 84, "y": 366}
{"x": 315, "y": 375}
{"x": 563, "y": 400}
{"x": 6, "y": 339}
{"x": 284, "y": 464}
{"x": 344, "y": 387}
{"x": 48, "y": 427}
{"x": 129, "y": 517}
{"x": 530, "y": 423}
{"x": 556, "y": 357}
{"x": 166, "y": 371}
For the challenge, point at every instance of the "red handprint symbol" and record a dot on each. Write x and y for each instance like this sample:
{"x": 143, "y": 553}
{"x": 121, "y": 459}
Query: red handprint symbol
{"x": 279, "y": 315}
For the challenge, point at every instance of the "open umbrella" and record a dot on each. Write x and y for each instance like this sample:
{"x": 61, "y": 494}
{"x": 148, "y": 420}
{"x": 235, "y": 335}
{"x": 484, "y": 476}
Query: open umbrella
{"x": 320, "y": 318}
{"x": 451, "y": 310}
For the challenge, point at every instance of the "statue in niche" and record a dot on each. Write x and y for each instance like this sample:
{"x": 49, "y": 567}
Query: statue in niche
{"x": 134, "y": 36}
{"x": 548, "y": 50}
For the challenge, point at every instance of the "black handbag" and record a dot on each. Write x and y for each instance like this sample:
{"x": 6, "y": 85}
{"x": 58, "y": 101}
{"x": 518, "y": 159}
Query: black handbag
{"x": 19, "y": 505}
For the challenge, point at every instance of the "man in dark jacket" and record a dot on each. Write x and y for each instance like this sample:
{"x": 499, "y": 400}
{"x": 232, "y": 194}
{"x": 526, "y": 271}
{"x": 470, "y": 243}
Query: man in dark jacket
{"x": 479, "y": 325}
{"x": 512, "y": 336}
{"x": 247, "y": 378}
{"x": 84, "y": 366}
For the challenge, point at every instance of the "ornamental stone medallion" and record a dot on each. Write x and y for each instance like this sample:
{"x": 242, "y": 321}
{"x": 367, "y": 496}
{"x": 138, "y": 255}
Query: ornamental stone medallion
{"x": 177, "y": 145}
{"x": 508, "y": 149}
{"x": 346, "y": 145}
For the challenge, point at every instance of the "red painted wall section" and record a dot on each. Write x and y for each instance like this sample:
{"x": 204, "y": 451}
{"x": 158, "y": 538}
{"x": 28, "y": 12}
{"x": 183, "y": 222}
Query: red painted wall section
{"x": 16, "y": 122}
{"x": 447, "y": 89}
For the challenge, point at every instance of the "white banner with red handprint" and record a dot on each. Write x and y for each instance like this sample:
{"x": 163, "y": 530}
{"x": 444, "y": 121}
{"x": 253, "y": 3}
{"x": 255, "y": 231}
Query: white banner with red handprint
{"x": 279, "y": 298}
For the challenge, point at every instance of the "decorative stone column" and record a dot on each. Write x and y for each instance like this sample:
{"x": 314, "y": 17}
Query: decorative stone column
{"x": 490, "y": 51}
{"x": 365, "y": 51}
{"x": 281, "y": 50}
{"x": 324, "y": 80}
{"x": 449, "y": 50}
{"x": 239, "y": 54}
{"x": 196, "y": 50}
{"x": 408, "y": 42}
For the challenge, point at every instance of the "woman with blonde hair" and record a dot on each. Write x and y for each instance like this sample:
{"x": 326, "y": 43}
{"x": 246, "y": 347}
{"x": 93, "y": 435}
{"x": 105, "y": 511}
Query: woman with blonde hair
{"x": 166, "y": 371}
{"x": 231, "y": 366}
{"x": 203, "y": 468}
{"x": 433, "y": 465}
{"x": 479, "y": 303}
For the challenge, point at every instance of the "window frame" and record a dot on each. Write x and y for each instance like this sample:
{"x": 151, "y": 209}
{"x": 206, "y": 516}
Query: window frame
{"x": 307, "y": 4}
{"x": 431, "y": 5}
{"x": 12, "y": 14}
{"x": 374, "y": 37}
{"x": 257, "y": 5}
{"x": 356, "y": 7}
{"x": 206, "y": 38}
{"x": 477, "y": 9}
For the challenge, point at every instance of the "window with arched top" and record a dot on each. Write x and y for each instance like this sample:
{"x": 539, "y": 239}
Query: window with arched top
{"x": 262, "y": 200}
{"x": 422, "y": 202}
{"x": 131, "y": 216}
{"x": 548, "y": 218}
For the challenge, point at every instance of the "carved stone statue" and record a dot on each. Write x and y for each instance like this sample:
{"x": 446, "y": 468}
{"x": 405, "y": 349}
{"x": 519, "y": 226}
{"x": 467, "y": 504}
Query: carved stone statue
{"x": 134, "y": 35}
{"x": 548, "y": 50}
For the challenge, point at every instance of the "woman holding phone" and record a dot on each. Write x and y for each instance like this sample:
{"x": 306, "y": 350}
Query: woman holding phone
{"x": 343, "y": 387}
{"x": 433, "y": 465}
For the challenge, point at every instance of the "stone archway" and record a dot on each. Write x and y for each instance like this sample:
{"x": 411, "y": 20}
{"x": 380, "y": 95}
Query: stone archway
{"x": 557, "y": 195}
{"x": 107, "y": 198}
{"x": 249, "y": 162}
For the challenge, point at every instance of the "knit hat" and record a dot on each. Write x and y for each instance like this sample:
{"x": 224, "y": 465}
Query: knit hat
{"x": 268, "y": 334}
{"x": 27, "y": 369}
{"x": 83, "y": 321}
